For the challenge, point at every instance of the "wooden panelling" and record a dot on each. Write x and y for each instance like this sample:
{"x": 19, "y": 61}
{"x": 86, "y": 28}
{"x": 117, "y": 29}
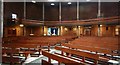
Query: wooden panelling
{"x": 109, "y": 9}
{"x": 13, "y": 7}
{"x": 88, "y": 10}
{"x": 37, "y": 31}
{"x": 51, "y": 12}
{"x": 34, "y": 11}
{"x": 69, "y": 12}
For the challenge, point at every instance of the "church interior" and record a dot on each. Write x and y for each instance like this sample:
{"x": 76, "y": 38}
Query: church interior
{"x": 60, "y": 33}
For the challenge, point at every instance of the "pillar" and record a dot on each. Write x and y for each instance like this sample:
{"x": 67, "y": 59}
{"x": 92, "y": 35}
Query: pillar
{"x": 1, "y": 28}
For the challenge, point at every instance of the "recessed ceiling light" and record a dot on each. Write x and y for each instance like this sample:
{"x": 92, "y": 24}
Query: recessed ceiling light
{"x": 87, "y": 0}
{"x": 51, "y": 0}
{"x": 52, "y": 4}
{"x": 69, "y": 3}
{"x": 33, "y": 1}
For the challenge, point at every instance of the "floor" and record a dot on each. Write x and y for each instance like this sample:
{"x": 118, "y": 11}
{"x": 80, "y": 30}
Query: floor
{"x": 37, "y": 60}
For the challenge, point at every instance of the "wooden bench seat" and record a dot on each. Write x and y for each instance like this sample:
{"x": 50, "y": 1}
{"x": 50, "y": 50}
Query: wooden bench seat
{"x": 8, "y": 56}
{"x": 46, "y": 63}
{"x": 84, "y": 55}
{"x": 61, "y": 59}
{"x": 12, "y": 60}
{"x": 92, "y": 49}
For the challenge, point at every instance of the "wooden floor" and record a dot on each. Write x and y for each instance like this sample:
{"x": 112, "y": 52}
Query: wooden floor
{"x": 71, "y": 49}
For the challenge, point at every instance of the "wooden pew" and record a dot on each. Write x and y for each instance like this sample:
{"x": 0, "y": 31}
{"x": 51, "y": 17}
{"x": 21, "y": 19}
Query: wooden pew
{"x": 77, "y": 47}
{"x": 92, "y": 49}
{"x": 46, "y": 63}
{"x": 16, "y": 52}
{"x": 94, "y": 57}
{"x": 61, "y": 59}
{"x": 108, "y": 43}
{"x": 9, "y": 58}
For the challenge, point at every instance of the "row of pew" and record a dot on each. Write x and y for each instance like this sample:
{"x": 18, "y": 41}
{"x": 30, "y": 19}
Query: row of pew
{"x": 87, "y": 50}
{"x": 13, "y": 48}
{"x": 37, "y": 39}
{"x": 71, "y": 56}
{"x": 110, "y": 44}
{"x": 72, "y": 52}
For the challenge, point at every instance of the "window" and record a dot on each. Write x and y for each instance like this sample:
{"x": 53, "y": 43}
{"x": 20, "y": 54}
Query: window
{"x": 53, "y": 31}
{"x": 14, "y": 16}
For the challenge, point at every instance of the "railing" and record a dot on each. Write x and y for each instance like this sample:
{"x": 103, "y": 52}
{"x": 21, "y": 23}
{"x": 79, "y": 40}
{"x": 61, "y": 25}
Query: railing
{"x": 108, "y": 20}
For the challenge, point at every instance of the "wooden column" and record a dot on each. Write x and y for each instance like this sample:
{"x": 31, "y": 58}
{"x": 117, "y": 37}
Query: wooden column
{"x": 1, "y": 28}
{"x": 24, "y": 31}
{"x": 43, "y": 12}
{"x": 60, "y": 12}
{"x": 1, "y": 19}
{"x": 79, "y": 31}
{"x": 77, "y": 10}
{"x": 24, "y": 9}
{"x": 60, "y": 19}
{"x": 98, "y": 30}
{"x": 43, "y": 17}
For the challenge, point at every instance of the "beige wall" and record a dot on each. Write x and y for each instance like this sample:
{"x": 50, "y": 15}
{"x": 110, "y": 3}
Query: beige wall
{"x": 64, "y": 30}
{"x": 8, "y": 31}
{"x": 108, "y": 30}
{"x": 69, "y": 30}
{"x": 94, "y": 30}
{"x": 37, "y": 31}
{"x": 105, "y": 30}
{"x": 45, "y": 30}
{"x": 117, "y": 30}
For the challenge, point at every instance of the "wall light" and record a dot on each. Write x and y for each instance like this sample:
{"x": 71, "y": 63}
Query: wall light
{"x": 116, "y": 29}
{"x": 69, "y": 3}
{"x": 74, "y": 29}
{"x": 31, "y": 34}
{"x": 88, "y": 0}
{"x": 100, "y": 25}
{"x": 21, "y": 25}
{"x": 51, "y": 0}
{"x": 52, "y": 4}
{"x": 65, "y": 29}
{"x": 45, "y": 34}
{"x": 79, "y": 26}
{"x": 33, "y": 1}
{"x": 14, "y": 29}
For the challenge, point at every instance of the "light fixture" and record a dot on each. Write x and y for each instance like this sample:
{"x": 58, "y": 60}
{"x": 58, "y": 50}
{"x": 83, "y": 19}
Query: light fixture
{"x": 69, "y": 3}
{"x": 89, "y": 27}
{"x": 21, "y": 25}
{"x": 52, "y": 4}
{"x": 13, "y": 20}
{"x": 74, "y": 29}
{"x": 65, "y": 29}
{"x": 51, "y": 0}
{"x": 79, "y": 26}
{"x": 100, "y": 25}
{"x": 87, "y": 0}
{"x": 44, "y": 34}
{"x": 31, "y": 34}
{"x": 13, "y": 28}
{"x": 116, "y": 29}
{"x": 33, "y": 1}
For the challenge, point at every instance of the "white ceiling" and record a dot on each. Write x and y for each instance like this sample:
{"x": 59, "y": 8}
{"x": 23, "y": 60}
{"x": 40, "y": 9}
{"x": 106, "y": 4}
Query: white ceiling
{"x": 60, "y": 0}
